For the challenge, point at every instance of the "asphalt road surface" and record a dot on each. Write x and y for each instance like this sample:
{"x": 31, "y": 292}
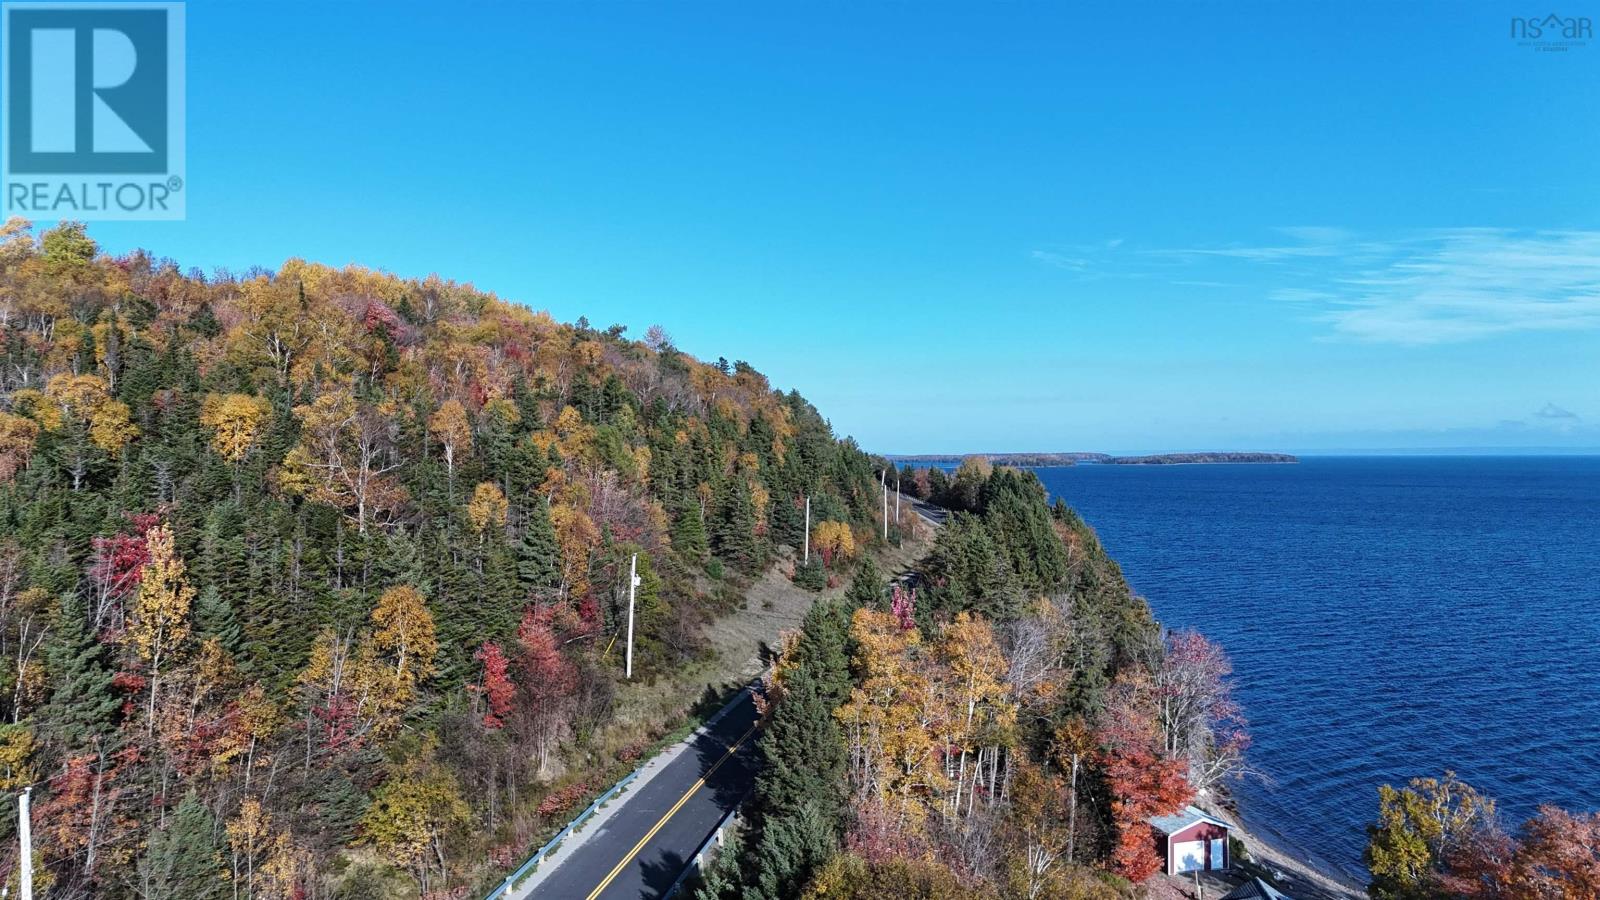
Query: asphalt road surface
{"x": 645, "y": 844}
{"x": 935, "y": 514}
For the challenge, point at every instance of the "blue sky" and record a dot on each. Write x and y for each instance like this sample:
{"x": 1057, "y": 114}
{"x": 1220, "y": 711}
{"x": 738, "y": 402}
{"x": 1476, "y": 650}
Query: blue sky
{"x": 986, "y": 226}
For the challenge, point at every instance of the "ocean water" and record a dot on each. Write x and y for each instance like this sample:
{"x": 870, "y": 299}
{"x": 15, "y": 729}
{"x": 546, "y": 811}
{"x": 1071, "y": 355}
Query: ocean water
{"x": 1387, "y": 617}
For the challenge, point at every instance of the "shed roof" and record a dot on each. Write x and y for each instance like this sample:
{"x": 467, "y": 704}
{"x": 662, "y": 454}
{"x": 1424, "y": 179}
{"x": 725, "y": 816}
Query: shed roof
{"x": 1190, "y": 816}
{"x": 1256, "y": 889}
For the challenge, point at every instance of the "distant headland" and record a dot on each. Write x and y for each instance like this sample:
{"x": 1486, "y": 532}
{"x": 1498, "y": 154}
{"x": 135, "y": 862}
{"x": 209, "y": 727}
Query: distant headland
{"x": 1171, "y": 459}
{"x": 1105, "y": 459}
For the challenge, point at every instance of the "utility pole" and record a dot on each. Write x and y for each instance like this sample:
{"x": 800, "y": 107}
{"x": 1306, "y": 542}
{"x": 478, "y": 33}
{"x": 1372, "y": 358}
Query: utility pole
{"x": 897, "y": 498}
{"x": 883, "y": 478}
{"x": 25, "y": 832}
{"x": 633, "y": 586}
{"x": 808, "y": 530}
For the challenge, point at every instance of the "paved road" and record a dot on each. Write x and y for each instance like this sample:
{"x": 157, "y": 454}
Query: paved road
{"x": 935, "y": 514}
{"x": 644, "y": 844}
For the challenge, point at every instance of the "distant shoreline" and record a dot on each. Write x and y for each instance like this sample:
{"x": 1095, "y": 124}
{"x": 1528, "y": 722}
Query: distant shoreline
{"x": 1044, "y": 460}
{"x": 1191, "y": 459}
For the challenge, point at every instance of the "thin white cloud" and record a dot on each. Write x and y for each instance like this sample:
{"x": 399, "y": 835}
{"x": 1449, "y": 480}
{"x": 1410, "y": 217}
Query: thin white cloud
{"x": 1428, "y": 287}
{"x": 1422, "y": 287}
{"x": 1266, "y": 254}
{"x": 1088, "y": 261}
{"x": 1060, "y": 260}
{"x": 1302, "y": 295}
{"x": 1472, "y": 283}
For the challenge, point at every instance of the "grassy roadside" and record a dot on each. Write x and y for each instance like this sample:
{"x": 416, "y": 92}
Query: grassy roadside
{"x": 653, "y": 714}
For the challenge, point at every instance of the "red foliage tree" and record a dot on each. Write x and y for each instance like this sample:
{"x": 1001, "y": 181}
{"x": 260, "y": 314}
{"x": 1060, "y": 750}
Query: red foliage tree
{"x": 903, "y": 603}
{"x": 336, "y": 719}
{"x": 116, "y": 568}
{"x": 497, "y": 688}
{"x": 548, "y": 680}
{"x": 1142, "y": 779}
{"x": 1482, "y": 867}
{"x": 879, "y": 836}
{"x": 82, "y": 814}
{"x": 1560, "y": 855}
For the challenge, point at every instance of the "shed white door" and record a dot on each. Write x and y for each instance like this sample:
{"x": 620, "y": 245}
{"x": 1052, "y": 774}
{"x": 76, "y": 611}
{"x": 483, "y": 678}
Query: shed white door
{"x": 1189, "y": 856}
{"x": 1219, "y": 858}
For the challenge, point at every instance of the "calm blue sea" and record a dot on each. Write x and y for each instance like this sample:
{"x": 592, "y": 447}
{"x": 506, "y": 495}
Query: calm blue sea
{"x": 1388, "y": 617}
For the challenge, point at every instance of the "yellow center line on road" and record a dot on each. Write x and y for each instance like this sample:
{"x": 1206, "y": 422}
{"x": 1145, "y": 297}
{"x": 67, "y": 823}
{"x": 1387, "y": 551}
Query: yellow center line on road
{"x": 606, "y": 882}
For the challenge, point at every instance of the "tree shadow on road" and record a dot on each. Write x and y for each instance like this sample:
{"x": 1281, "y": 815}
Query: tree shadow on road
{"x": 712, "y": 699}
{"x": 728, "y": 778}
{"x": 661, "y": 873}
{"x": 728, "y": 781}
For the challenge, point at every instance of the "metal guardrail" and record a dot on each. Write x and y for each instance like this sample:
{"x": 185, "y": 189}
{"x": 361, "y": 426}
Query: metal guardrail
{"x": 698, "y": 863}
{"x": 526, "y": 869}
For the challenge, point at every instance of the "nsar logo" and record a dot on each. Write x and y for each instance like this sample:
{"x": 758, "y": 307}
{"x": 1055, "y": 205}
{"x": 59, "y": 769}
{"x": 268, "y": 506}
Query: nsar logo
{"x": 1552, "y": 32}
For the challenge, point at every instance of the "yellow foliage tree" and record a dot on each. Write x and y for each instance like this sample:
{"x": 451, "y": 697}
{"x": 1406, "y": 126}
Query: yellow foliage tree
{"x": 110, "y": 427}
{"x": 974, "y": 675}
{"x": 160, "y": 620}
{"x": 235, "y": 421}
{"x": 85, "y": 399}
{"x": 891, "y": 719}
{"x": 16, "y": 745}
{"x": 578, "y": 536}
{"x": 247, "y": 831}
{"x": 453, "y": 431}
{"x": 403, "y": 633}
{"x": 266, "y": 863}
{"x": 17, "y": 438}
{"x": 487, "y": 507}
{"x": 345, "y": 453}
{"x": 412, "y": 814}
{"x": 574, "y": 438}
{"x": 834, "y": 540}
{"x": 37, "y": 407}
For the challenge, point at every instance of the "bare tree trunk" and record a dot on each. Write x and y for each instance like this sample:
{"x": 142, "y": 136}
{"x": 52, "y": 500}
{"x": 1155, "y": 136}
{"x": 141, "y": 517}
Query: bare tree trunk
{"x": 1072, "y": 813}
{"x": 94, "y": 814}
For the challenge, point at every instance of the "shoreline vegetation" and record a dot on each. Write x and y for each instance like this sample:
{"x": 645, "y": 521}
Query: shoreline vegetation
{"x": 1045, "y": 460}
{"x": 315, "y": 583}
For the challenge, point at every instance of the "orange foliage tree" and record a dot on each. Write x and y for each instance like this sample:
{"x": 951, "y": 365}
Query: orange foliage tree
{"x": 1142, "y": 779}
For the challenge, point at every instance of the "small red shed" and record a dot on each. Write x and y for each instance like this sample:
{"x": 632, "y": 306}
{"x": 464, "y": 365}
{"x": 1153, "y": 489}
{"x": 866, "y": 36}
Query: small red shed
{"x": 1191, "y": 841}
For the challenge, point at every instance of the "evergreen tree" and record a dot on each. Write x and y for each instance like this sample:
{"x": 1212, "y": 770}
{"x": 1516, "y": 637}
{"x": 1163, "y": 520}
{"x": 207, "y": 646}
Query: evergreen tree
{"x": 83, "y": 704}
{"x": 825, "y": 647}
{"x": 503, "y": 595}
{"x": 1015, "y": 514}
{"x": 812, "y": 576}
{"x": 969, "y": 571}
{"x": 184, "y": 860}
{"x": 786, "y": 521}
{"x": 689, "y": 532}
{"x": 799, "y": 797}
{"x": 868, "y": 590}
{"x": 723, "y": 878}
{"x": 538, "y": 553}
{"x": 214, "y": 618}
{"x": 734, "y": 535}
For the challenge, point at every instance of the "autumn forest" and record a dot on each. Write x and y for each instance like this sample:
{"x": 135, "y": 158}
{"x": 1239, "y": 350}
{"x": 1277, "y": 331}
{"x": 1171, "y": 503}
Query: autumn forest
{"x": 311, "y": 582}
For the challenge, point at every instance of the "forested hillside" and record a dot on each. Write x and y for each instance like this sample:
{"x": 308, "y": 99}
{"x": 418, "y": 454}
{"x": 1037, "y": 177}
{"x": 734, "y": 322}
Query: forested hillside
{"x": 308, "y": 577}
{"x": 1004, "y": 729}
